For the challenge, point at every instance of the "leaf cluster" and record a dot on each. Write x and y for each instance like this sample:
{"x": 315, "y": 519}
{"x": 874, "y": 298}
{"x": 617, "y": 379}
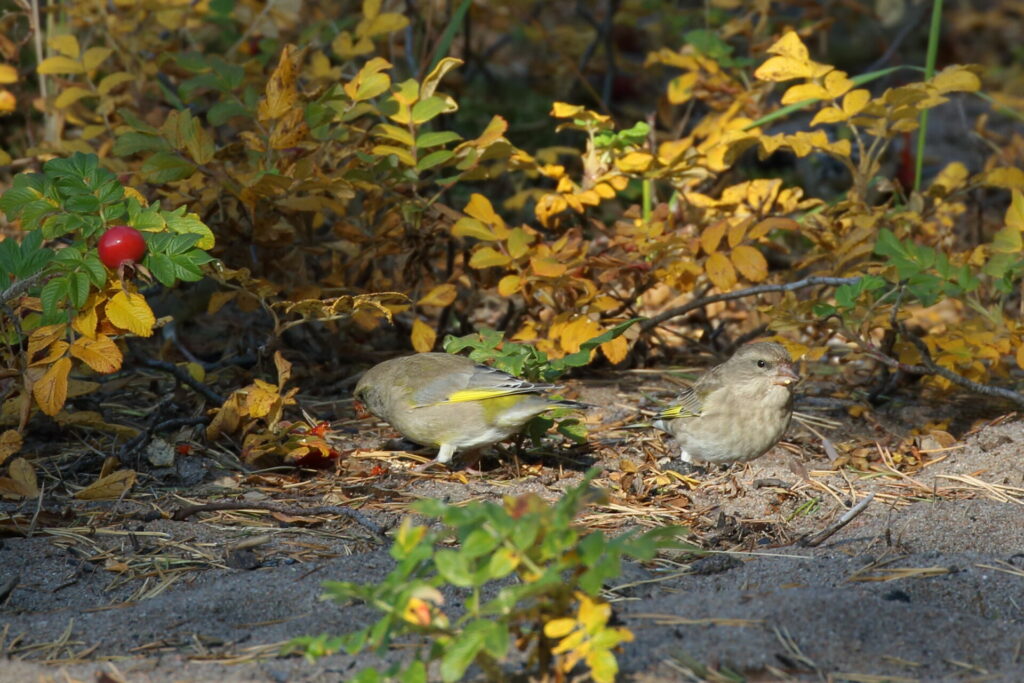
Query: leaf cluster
{"x": 552, "y": 609}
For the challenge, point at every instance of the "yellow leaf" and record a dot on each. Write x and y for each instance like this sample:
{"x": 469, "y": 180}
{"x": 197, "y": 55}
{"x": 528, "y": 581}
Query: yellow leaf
{"x": 712, "y": 236}
{"x": 66, "y": 45}
{"x": 442, "y": 295}
{"x": 546, "y": 266}
{"x": 8, "y": 74}
{"x": 432, "y": 80}
{"x": 750, "y": 262}
{"x": 774, "y": 223}
{"x": 855, "y": 101}
{"x": 403, "y": 155}
{"x": 804, "y": 91}
{"x": 60, "y": 65}
{"x": 260, "y": 398}
{"x": 101, "y": 354}
{"x": 423, "y": 336}
{"x": 1008, "y": 177}
{"x": 615, "y": 350}
{"x": 738, "y": 229}
{"x": 51, "y": 390}
{"x": 111, "y": 81}
{"x": 579, "y": 330}
{"x": 389, "y": 22}
{"x": 480, "y": 207}
{"x": 635, "y": 162}
{"x": 129, "y": 311}
{"x": 509, "y": 285}
{"x": 950, "y": 178}
{"x": 790, "y": 46}
{"x": 71, "y": 95}
{"x": 680, "y": 88}
{"x": 720, "y": 271}
{"x": 778, "y": 69}
{"x": 1020, "y": 359}
{"x": 956, "y": 78}
{"x": 22, "y": 481}
{"x": 837, "y": 84}
{"x": 1015, "y": 214}
{"x": 519, "y": 242}
{"x": 41, "y": 337}
{"x": 7, "y": 104}
{"x": 556, "y": 629}
{"x": 10, "y": 443}
{"x": 110, "y": 487}
{"x": 471, "y": 227}
{"x": 280, "y": 94}
{"x": 95, "y": 56}
{"x": 829, "y": 115}
{"x": 486, "y": 257}
{"x": 562, "y": 110}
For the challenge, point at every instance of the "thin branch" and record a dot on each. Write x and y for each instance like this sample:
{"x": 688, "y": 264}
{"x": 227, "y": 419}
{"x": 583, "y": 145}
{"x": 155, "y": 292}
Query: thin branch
{"x": 741, "y": 293}
{"x": 22, "y": 286}
{"x": 184, "y": 377}
{"x": 356, "y": 516}
{"x": 931, "y": 368}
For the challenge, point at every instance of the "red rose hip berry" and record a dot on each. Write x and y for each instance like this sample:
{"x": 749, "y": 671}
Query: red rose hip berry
{"x": 121, "y": 244}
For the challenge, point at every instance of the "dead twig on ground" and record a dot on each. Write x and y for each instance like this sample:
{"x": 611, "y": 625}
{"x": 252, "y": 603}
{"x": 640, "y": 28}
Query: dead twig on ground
{"x": 821, "y": 537}
{"x": 182, "y": 376}
{"x": 356, "y": 516}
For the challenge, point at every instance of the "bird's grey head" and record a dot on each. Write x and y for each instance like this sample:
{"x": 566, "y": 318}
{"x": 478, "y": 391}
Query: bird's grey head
{"x": 768, "y": 362}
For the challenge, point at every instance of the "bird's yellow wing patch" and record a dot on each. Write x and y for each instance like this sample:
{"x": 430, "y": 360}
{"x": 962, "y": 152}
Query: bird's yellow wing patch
{"x": 467, "y": 395}
{"x": 676, "y": 411}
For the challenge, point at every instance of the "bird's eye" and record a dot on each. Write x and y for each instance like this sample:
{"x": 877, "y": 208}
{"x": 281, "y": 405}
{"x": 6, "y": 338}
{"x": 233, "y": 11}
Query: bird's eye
{"x": 762, "y": 363}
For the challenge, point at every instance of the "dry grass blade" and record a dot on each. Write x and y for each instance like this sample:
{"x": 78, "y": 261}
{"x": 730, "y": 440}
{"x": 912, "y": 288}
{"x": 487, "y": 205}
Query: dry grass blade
{"x": 878, "y": 571}
{"x": 997, "y": 492}
{"x": 1005, "y": 567}
{"x": 871, "y": 678}
{"x": 793, "y": 650}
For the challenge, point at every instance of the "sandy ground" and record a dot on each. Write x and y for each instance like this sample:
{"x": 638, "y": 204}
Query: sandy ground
{"x": 927, "y": 584}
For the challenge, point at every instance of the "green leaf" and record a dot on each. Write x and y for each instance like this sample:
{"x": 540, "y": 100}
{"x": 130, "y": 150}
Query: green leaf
{"x": 435, "y": 138}
{"x": 453, "y": 568}
{"x": 166, "y": 167}
{"x": 434, "y": 159}
{"x": 460, "y": 653}
{"x": 161, "y": 266}
{"x": 222, "y": 112}
{"x": 54, "y": 291}
{"x": 479, "y": 542}
{"x": 427, "y": 109}
{"x": 133, "y": 143}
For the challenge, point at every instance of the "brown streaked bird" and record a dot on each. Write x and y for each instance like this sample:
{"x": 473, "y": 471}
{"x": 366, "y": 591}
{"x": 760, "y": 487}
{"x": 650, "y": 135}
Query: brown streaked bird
{"x": 737, "y": 410}
{"x": 451, "y": 402}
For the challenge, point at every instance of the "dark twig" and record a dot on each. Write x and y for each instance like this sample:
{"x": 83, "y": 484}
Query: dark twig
{"x": 358, "y": 517}
{"x": 182, "y": 376}
{"x": 741, "y": 293}
{"x": 821, "y": 537}
{"x": 22, "y": 286}
{"x": 931, "y": 368}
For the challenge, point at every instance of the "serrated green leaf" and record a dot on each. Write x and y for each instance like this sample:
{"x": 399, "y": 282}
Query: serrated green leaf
{"x": 54, "y": 291}
{"x": 162, "y": 267}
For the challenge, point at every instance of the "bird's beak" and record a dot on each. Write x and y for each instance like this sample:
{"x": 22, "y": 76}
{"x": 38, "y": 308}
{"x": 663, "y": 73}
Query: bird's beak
{"x": 786, "y": 375}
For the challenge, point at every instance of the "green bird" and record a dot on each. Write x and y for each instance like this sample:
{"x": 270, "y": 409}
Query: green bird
{"x": 451, "y": 402}
{"x": 737, "y": 410}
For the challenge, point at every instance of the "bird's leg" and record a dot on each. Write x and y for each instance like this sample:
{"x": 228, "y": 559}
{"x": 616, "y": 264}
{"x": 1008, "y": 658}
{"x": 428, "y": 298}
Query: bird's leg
{"x": 445, "y": 453}
{"x": 444, "y": 456}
